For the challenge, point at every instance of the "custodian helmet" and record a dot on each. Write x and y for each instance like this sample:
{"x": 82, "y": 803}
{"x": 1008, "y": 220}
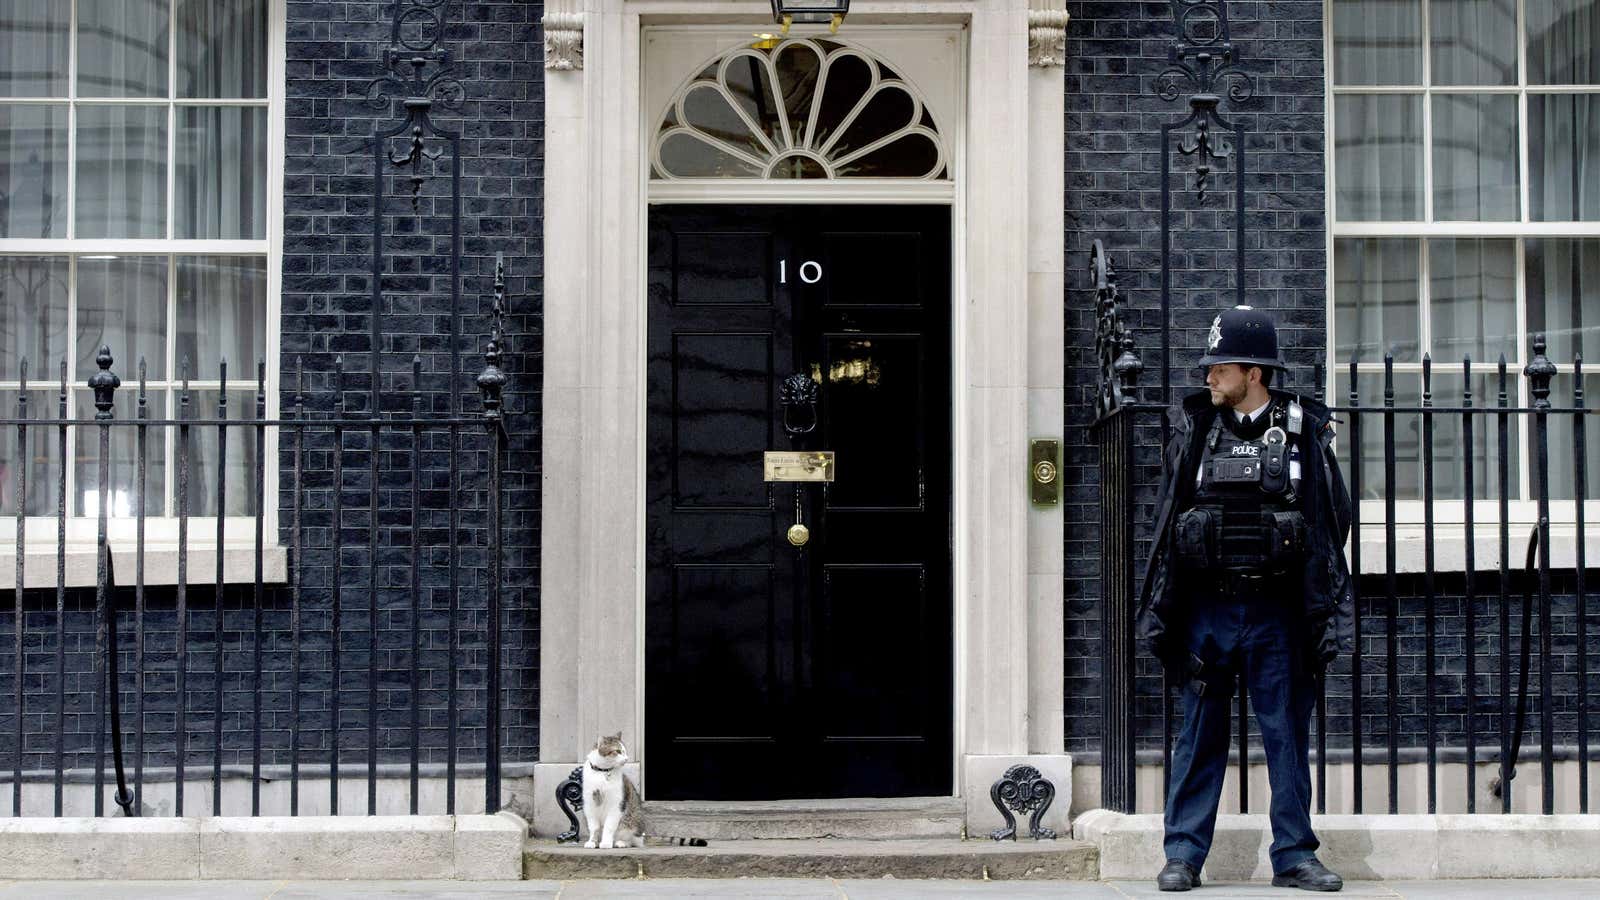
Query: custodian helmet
{"x": 1243, "y": 335}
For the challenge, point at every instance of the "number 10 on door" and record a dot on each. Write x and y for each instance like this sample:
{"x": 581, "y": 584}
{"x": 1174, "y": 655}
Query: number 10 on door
{"x": 810, "y": 271}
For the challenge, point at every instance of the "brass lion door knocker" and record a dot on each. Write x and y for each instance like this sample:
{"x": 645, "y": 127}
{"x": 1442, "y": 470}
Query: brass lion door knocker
{"x": 798, "y": 397}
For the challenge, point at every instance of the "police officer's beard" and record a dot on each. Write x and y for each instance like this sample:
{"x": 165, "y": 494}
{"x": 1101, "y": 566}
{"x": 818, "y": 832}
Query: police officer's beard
{"x": 1231, "y": 400}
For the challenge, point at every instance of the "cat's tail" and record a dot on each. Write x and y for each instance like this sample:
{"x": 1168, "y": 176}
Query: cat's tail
{"x": 676, "y": 841}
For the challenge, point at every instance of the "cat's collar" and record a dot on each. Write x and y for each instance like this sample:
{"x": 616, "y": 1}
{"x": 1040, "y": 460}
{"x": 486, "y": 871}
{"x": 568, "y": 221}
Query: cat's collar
{"x": 600, "y": 770}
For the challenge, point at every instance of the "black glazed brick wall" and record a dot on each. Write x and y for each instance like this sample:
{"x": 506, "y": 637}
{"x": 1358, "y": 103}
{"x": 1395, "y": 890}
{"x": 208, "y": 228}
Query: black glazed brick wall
{"x": 335, "y": 50}
{"x": 1115, "y": 51}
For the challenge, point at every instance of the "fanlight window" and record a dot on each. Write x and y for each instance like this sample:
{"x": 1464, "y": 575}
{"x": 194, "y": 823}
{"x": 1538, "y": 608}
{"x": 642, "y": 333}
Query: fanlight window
{"x": 806, "y": 108}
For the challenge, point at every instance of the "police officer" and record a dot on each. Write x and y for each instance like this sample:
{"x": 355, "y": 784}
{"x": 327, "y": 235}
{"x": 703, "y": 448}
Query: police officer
{"x": 1247, "y": 582}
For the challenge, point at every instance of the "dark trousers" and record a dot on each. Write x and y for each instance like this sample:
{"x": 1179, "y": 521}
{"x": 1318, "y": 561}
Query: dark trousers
{"x": 1233, "y": 634}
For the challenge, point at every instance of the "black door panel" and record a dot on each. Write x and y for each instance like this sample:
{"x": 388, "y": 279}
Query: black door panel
{"x": 827, "y": 668}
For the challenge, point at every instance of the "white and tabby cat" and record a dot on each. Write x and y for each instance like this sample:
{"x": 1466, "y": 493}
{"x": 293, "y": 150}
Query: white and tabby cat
{"x": 612, "y": 807}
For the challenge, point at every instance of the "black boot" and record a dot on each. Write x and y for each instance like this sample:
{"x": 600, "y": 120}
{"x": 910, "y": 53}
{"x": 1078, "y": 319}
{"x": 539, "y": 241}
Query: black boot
{"x": 1310, "y": 876}
{"x": 1177, "y": 875}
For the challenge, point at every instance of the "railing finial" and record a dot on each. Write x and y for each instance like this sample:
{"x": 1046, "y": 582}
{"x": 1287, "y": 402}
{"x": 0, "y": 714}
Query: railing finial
{"x": 1539, "y": 371}
{"x": 104, "y": 383}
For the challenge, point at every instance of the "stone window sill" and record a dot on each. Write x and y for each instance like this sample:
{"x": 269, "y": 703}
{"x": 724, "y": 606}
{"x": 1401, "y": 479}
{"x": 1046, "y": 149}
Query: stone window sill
{"x": 160, "y": 565}
{"x": 1450, "y": 547}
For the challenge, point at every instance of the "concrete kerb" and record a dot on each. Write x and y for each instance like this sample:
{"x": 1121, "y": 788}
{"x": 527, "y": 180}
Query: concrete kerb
{"x": 111, "y": 849}
{"x": 467, "y": 847}
{"x": 1398, "y": 847}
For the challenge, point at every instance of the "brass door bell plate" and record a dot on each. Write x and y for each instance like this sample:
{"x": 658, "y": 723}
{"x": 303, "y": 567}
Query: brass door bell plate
{"x": 1044, "y": 472}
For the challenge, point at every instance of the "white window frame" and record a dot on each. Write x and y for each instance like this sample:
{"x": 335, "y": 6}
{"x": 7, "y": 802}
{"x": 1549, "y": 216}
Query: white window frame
{"x": 161, "y": 532}
{"x": 1409, "y": 514}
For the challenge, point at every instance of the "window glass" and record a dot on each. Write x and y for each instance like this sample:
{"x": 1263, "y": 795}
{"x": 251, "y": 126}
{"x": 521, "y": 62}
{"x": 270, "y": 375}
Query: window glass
{"x": 1563, "y": 41}
{"x": 1473, "y": 299}
{"x": 33, "y": 170}
{"x": 1450, "y": 456}
{"x": 34, "y": 44}
{"x": 1378, "y": 157}
{"x": 1564, "y": 449}
{"x": 221, "y": 189}
{"x": 1475, "y": 157}
{"x": 33, "y": 316}
{"x": 1407, "y": 437}
{"x": 1564, "y": 160}
{"x": 122, "y": 48}
{"x": 122, "y": 481}
{"x": 1376, "y": 307}
{"x": 222, "y": 48}
{"x": 37, "y": 461}
{"x": 122, "y": 304}
{"x": 221, "y": 308}
{"x": 238, "y": 471}
{"x": 122, "y": 172}
{"x": 1564, "y": 297}
{"x": 1474, "y": 41}
{"x": 1377, "y": 41}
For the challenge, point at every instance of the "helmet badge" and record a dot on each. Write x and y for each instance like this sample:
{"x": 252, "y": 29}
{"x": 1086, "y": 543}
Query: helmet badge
{"x": 1214, "y": 339}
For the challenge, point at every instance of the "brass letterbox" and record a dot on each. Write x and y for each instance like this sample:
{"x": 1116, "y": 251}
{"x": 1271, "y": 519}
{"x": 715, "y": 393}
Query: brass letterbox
{"x": 798, "y": 465}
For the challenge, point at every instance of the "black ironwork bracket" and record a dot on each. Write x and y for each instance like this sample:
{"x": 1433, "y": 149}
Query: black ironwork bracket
{"x": 421, "y": 74}
{"x": 1202, "y": 62}
{"x": 569, "y": 796}
{"x": 1023, "y": 789}
{"x": 1204, "y": 59}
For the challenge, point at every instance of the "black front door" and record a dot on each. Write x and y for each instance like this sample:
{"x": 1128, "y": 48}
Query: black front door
{"x": 773, "y": 671}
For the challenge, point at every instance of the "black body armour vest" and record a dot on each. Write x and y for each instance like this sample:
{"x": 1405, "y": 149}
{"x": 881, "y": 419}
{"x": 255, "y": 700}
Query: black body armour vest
{"x": 1246, "y": 511}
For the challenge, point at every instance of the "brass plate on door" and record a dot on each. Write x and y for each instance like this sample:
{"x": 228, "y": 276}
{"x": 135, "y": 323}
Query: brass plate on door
{"x": 798, "y": 465}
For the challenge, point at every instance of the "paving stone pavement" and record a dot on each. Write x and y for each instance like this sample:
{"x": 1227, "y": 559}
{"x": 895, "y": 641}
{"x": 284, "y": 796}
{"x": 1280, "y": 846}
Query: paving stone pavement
{"x": 776, "y": 888}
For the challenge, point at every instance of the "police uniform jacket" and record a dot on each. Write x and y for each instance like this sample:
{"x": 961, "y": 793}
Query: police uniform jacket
{"x": 1321, "y": 592}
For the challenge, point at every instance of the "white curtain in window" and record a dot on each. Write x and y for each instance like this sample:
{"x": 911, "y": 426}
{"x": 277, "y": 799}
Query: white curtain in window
{"x": 1377, "y": 42}
{"x": 1564, "y": 141}
{"x": 122, "y": 48}
{"x": 1564, "y": 129}
{"x": 1378, "y": 157}
{"x": 121, "y": 172}
{"x": 33, "y": 44}
{"x": 33, "y": 138}
{"x": 1563, "y": 42}
{"x": 221, "y": 190}
{"x": 222, "y": 48}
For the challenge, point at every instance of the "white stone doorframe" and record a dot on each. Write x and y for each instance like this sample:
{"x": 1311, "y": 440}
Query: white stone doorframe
{"x": 1007, "y": 356}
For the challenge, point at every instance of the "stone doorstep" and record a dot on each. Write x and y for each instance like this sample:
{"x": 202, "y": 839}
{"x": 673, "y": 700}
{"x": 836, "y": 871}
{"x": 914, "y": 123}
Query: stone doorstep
{"x": 467, "y": 847}
{"x": 853, "y": 818}
{"x": 1386, "y": 847}
{"x": 825, "y": 858}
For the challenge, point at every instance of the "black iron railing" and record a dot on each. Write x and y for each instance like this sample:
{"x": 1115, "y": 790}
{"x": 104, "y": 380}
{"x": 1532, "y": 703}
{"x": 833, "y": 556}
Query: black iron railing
{"x": 1405, "y": 710}
{"x": 393, "y": 455}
